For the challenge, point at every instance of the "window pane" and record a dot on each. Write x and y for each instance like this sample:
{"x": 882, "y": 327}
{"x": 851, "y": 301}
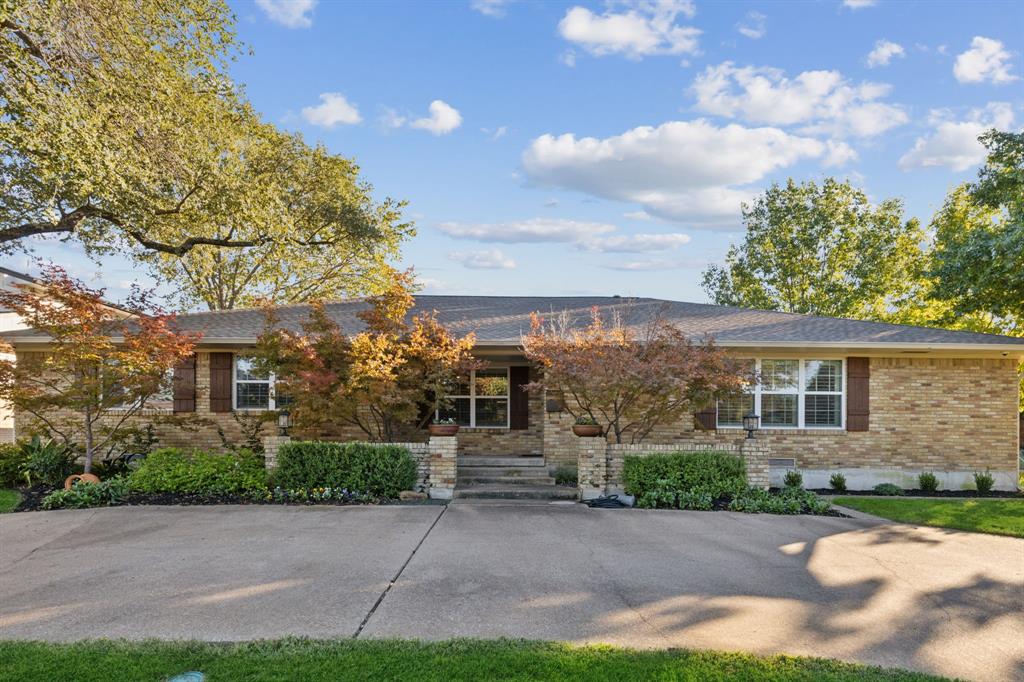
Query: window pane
{"x": 459, "y": 411}
{"x": 780, "y": 375}
{"x": 492, "y": 382}
{"x": 253, "y": 395}
{"x": 778, "y": 410}
{"x": 824, "y": 375}
{"x": 244, "y": 371}
{"x": 492, "y": 412}
{"x": 823, "y": 410}
{"x": 731, "y": 410}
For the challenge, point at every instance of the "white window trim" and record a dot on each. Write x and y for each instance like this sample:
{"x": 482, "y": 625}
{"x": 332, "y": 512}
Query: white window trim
{"x": 270, "y": 381}
{"x": 801, "y": 392}
{"x": 473, "y": 398}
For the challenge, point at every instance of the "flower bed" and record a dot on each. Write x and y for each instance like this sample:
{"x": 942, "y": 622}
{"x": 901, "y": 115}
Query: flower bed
{"x": 924, "y": 493}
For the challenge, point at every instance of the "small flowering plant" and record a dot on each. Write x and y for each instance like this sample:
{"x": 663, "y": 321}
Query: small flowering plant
{"x": 314, "y": 495}
{"x": 446, "y": 421}
{"x": 586, "y": 420}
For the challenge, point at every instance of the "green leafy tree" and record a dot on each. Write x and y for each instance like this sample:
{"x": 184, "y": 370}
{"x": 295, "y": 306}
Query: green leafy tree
{"x": 825, "y": 250}
{"x": 120, "y": 128}
{"x": 979, "y": 239}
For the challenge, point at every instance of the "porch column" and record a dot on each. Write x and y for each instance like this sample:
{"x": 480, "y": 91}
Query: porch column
{"x": 271, "y": 444}
{"x": 755, "y": 456}
{"x": 592, "y": 467}
{"x": 443, "y": 463}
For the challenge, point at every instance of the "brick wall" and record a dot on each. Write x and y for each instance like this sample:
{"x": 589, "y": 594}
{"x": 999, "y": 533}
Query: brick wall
{"x": 927, "y": 414}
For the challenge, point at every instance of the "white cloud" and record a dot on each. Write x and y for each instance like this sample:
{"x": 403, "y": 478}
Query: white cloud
{"x": 636, "y": 243}
{"x": 753, "y": 26}
{"x": 652, "y": 264}
{"x": 687, "y": 171}
{"x": 499, "y": 133}
{"x": 390, "y": 118}
{"x": 954, "y": 144}
{"x": 443, "y": 119}
{"x": 838, "y": 154}
{"x": 823, "y": 101}
{"x": 568, "y": 58}
{"x": 645, "y": 27}
{"x": 637, "y": 215}
{"x": 533, "y": 230}
{"x": 489, "y": 259}
{"x": 987, "y": 60}
{"x": 332, "y": 110}
{"x": 491, "y": 8}
{"x": 883, "y": 53}
{"x": 551, "y": 203}
{"x": 290, "y": 13}
{"x": 859, "y": 4}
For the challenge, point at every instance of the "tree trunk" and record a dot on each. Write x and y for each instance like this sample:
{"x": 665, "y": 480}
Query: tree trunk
{"x": 88, "y": 440}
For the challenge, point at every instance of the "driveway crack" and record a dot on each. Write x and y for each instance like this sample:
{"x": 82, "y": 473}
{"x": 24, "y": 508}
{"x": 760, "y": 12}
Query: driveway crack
{"x": 384, "y": 593}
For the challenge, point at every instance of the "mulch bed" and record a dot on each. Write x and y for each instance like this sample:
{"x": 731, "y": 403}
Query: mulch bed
{"x": 998, "y": 494}
{"x": 32, "y": 500}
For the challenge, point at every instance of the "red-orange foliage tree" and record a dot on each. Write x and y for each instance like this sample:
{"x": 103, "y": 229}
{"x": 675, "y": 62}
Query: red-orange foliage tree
{"x": 392, "y": 375}
{"x": 629, "y": 378}
{"x": 101, "y": 366}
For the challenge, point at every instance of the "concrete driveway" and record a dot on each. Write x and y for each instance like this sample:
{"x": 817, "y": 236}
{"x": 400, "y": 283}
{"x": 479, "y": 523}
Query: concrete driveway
{"x": 856, "y": 589}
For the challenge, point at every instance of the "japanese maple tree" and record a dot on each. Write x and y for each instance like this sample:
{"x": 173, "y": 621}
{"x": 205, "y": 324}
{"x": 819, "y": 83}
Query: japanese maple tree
{"x": 390, "y": 376}
{"x": 102, "y": 365}
{"x": 629, "y": 378}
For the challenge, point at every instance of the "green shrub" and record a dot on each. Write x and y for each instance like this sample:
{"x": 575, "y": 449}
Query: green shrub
{"x": 927, "y": 482}
{"x": 566, "y": 475}
{"x": 672, "y": 474}
{"x": 106, "y": 493}
{"x": 793, "y": 479}
{"x": 173, "y": 470}
{"x": 888, "y": 489}
{"x": 12, "y": 465}
{"x": 983, "y": 481}
{"x": 49, "y": 462}
{"x": 378, "y": 470}
{"x": 790, "y": 500}
{"x": 838, "y": 482}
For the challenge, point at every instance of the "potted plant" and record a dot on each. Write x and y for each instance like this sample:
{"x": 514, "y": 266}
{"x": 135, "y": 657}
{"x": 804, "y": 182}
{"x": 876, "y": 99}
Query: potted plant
{"x": 443, "y": 427}
{"x": 586, "y": 427}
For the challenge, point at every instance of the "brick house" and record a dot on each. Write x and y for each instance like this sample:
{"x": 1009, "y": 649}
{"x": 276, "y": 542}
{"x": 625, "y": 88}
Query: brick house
{"x": 878, "y": 402}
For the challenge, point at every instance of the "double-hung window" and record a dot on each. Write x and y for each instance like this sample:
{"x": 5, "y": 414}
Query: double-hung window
{"x": 253, "y": 389}
{"x": 482, "y": 401}
{"x": 794, "y": 394}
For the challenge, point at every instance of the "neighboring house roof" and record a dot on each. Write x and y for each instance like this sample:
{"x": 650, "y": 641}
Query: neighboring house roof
{"x": 502, "y": 320}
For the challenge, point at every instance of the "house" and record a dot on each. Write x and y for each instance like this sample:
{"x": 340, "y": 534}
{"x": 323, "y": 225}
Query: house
{"x": 878, "y": 402}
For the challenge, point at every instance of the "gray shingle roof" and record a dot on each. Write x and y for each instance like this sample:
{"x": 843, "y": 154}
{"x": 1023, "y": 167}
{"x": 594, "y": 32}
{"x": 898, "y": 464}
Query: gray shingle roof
{"x": 501, "y": 320}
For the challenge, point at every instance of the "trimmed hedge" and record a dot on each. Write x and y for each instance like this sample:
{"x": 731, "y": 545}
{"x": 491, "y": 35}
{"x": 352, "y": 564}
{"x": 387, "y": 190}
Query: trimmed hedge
{"x": 13, "y": 461}
{"x": 655, "y": 479}
{"x": 378, "y": 470}
{"x": 173, "y": 470}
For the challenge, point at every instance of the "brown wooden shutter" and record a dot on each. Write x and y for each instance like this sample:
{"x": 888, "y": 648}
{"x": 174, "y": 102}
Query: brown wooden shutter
{"x": 220, "y": 382}
{"x": 519, "y": 399}
{"x": 858, "y": 379}
{"x": 706, "y": 419}
{"x": 185, "y": 385}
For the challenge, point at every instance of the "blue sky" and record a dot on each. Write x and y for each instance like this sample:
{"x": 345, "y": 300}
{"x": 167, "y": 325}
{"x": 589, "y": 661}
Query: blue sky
{"x": 603, "y": 148}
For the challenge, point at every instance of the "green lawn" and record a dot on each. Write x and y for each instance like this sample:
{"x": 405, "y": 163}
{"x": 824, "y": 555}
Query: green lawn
{"x": 1000, "y": 517}
{"x": 9, "y": 499}
{"x": 310, "y": 660}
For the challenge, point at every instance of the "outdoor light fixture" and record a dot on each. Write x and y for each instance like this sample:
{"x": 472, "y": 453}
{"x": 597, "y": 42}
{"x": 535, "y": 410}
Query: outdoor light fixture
{"x": 751, "y": 422}
{"x": 284, "y": 421}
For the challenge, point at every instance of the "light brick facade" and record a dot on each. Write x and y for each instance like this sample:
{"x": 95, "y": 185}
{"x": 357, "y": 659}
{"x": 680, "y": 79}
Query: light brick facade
{"x": 951, "y": 416}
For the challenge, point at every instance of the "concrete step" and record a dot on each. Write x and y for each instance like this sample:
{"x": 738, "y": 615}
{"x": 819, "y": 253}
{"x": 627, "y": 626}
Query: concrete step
{"x": 527, "y": 471}
{"x": 494, "y": 461}
{"x": 494, "y": 491}
{"x": 474, "y": 478}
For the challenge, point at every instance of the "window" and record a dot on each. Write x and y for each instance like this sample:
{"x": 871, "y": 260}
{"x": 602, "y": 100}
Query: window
{"x": 793, "y": 394}
{"x": 482, "y": 401}
{"x": 252, "y": 389}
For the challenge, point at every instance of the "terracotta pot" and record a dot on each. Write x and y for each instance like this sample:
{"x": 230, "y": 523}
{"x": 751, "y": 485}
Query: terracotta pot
{"x": 586, "y": 430}
{"x": 443, "y": 429}
{"x": 84, "y": 478}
